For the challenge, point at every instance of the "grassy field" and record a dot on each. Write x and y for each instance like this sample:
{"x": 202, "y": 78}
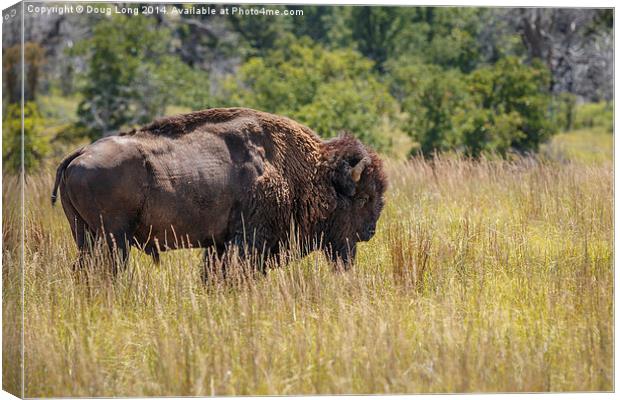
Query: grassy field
{"x": 588, "y": 146}
{"x": 483, "y": 276}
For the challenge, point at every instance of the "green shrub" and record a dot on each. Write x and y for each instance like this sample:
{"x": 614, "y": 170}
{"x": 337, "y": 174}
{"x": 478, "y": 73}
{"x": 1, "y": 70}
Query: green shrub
{"x": 483, "y": 131}
{"x": 349, "y": 105}
{"x": 36, "y": 146}
{"x": 491, "y": 110}
{"x": 430, "y": 97}
{"x": 515, "y": 99}
{"x": 329, "y": 91}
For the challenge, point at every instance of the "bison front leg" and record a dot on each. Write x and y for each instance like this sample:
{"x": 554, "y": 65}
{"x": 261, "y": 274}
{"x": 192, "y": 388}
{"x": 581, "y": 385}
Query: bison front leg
{"x": 342, "y": 258}
{"x": 253, "y": 252}
{"x": 239, "y": 258}
{"x": 214, "y": 265}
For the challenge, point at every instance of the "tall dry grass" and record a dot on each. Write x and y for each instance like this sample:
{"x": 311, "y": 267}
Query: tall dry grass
{"x": 483, "y": 276}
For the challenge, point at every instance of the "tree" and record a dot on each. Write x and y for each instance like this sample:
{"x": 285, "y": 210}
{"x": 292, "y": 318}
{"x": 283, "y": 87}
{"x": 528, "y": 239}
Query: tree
{"x": 356, "y": 106}
{"x": 575, "y": 44}
{"x": 430, "y": 97}
{"x": 446, "y": 36}
{"x": 375, "y": 30}
{"x": 451, "y": 36}
{"x": 207, "y": 43}
{"x": 494, "y": 109}
{"x": 34, "y": 60}
{"x": 315, "y": 23}
{"x": 131, "y": 76}
{"x": 261, "y": 32}
{"x": 329, "y": 90}
{"x": 11, "y": 62}
{"x": 515, "y": 99}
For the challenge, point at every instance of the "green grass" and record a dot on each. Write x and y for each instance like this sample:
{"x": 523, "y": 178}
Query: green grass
{"x": 483, "y": 276}
{"x": 589, "y": 145}
{"x": 594, "y": 115}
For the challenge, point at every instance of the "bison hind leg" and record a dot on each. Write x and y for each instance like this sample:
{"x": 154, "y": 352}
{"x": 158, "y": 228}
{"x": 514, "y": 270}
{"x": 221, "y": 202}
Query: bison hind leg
{"x": 249, "y": 254}
{"x": 235, "y": 261}
{"x": 83, "y": 236}
{"x": 214, "y": 265}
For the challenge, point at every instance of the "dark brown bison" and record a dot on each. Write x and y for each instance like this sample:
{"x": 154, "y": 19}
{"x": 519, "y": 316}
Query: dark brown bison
{"x": 219, "y": 178}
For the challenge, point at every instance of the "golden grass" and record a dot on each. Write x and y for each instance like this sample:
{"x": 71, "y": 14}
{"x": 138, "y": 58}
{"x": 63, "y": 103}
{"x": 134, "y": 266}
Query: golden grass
{"x": 483, "y": 276}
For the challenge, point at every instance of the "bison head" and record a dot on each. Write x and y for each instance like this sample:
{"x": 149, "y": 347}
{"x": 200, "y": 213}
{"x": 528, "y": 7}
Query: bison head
{"x": 355, "y": 174}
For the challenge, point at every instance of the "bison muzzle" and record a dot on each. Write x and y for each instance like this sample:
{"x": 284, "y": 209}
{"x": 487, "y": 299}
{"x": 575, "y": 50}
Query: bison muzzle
{"x": 220, "y": 178}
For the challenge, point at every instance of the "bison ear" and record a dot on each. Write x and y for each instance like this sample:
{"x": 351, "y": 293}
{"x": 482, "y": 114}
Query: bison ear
{"x": 347, "y": 174}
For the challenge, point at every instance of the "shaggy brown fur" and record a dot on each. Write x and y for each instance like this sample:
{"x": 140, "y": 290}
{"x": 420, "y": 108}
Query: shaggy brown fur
{"x": 223, "y": 177}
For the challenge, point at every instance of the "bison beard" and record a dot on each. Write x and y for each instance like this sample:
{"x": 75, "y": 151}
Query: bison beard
{"x": 220, "y": 179}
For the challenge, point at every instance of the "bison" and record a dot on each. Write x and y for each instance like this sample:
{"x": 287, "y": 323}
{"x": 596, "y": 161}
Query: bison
{"x": 218, "y": 178}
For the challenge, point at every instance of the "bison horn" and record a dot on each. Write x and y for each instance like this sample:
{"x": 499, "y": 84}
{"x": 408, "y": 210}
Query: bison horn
{"x": 356, "y": 172}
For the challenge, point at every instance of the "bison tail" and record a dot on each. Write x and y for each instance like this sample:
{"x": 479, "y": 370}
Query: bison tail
{"x": 61, "y": 169}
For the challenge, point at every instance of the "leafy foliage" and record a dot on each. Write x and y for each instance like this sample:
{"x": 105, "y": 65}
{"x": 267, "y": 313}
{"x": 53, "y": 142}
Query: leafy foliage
{"x": 36, "y": 146}
{"x": 493, "y": 109}
{"x": 349, "y": 105}
{"x": 261, "y": 32}
{"x": 131, "y": 76}
{"x": 443, "y": 36}
{"x": 509, "y": 108}
{"x": 329, "y": 90}
{"x": 474, "y": 80}
{"x": 430, "y": 97}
